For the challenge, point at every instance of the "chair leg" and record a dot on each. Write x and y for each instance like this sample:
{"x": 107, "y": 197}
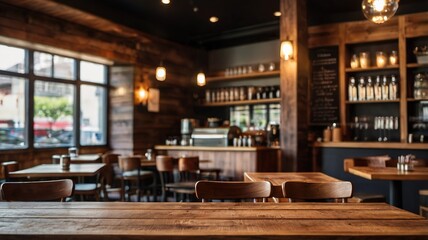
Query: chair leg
{"x": 122, "y": 190}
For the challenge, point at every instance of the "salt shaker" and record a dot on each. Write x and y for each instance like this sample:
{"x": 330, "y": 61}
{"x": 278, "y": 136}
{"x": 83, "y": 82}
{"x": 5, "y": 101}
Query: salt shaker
{"x": 65, "y": 162}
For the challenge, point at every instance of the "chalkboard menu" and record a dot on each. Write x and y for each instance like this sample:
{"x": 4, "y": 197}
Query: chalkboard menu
{"x": 324, "y": 86}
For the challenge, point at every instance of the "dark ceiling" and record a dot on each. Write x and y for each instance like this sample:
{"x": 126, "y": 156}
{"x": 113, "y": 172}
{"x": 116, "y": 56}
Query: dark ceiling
{"x": 240, "y": 21}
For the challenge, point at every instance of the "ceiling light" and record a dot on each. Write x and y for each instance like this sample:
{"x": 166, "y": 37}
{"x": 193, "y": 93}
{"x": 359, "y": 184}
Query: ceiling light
{"x": 379, "y": 11}
{"x": 277, "y": 14}
{"x": 161, "y": 73}
{"x": 213, "y": 19}
{"x": 166, "y": 1}
{"x": 200, "y": 79}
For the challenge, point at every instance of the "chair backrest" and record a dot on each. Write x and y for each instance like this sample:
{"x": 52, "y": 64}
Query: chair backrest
{"x": 55, "y": 190}
{"x": 111, "y": 160}
{"x": 370, "y": 161}
{"x": 8, "y": 167}
{"x": 164, "y": 163}
{"x": 317, "y": 191}
{"x": 129, "y": 163}
{"x": 206, "y": 190}
{"x": 188, "y": 168}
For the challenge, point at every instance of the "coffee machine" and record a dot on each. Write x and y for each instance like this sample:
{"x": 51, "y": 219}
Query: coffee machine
{"x": 187, "y": 126}
{"x": 272, "y": 130}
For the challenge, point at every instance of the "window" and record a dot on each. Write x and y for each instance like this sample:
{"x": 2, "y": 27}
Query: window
{"x": 254, "y": 117}
{"x": 240, "y": 116}
{"x": 59, "y": 118}
{"x": 274, "y": 113}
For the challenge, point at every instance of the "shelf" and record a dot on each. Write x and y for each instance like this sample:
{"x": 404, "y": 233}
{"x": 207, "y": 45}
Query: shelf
{"x": 373, "y": 101}
{"x": 245, "y": 102}
{"x": 416, "y": 100}
{"x": 393, "y": 67}
{"x": 417, "y": 65}
{"x": 244, "y": 76}
{"x": 381, "y": 145}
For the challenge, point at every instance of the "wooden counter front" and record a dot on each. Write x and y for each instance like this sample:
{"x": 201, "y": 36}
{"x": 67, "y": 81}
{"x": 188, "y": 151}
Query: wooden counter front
{"x": 233, "y": 161}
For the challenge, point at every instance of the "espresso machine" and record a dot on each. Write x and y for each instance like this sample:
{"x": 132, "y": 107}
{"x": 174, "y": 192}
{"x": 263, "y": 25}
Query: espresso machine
{"x": 272, "y": 130}
{"x": 187, "y": 126}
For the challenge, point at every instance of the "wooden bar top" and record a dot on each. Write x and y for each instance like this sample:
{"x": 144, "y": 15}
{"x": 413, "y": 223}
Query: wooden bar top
{"x": 200, "y": 148}
{"x": 114, "y": 220}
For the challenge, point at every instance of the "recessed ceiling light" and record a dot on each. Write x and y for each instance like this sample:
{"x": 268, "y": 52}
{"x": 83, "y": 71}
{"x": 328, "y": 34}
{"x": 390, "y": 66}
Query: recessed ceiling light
{"x": 166, "y": 1}
{"x": 213, "y": 19}
{"x": 277, "y": 13}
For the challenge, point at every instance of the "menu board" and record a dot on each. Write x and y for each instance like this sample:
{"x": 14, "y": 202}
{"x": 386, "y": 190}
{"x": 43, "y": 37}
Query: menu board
{"x": 324, "y": 86}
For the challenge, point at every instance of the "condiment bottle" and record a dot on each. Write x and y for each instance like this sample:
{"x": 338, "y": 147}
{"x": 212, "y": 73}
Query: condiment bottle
{"x": 369, "y": 89}
{"x": 393, "y": 88}
{"x": 385, "y": 89}
{"x": 378, "y": 89}
{"x": 361, "y": 90}
{"x": 352, "y": 90}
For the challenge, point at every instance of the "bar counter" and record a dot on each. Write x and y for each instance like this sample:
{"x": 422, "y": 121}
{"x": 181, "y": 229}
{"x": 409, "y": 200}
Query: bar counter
{"x": 233, "y": 161}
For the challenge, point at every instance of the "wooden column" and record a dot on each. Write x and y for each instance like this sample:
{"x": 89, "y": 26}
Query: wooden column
{"x": 294, "y": 87}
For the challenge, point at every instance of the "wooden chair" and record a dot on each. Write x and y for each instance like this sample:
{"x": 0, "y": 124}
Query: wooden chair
{"x": 37, "y": 191}
{"x": 370, "y": 161}
{"x": 8, "y": 167}
{"x": 132, "y": 173}
{"x": 206, "y": 190}
{"x": 317, "y": 191}
{"x": 112, "y": 187}
{"x": 91, "y": 189}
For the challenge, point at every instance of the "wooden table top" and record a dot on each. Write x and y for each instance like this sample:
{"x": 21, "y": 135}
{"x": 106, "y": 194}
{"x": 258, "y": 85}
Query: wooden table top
{"x": 114, "y": 220}
{"x": 277, "y": 178}
{"x": 55, "y": 170}
{"x": 389, "y": 173}
{"x": 86, "y": 158}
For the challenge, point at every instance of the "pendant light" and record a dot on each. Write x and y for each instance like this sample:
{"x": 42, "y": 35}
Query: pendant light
{"x": 160, "y": 72}
{"x": 379, "y": 11}
{"x": 200, "y": 79}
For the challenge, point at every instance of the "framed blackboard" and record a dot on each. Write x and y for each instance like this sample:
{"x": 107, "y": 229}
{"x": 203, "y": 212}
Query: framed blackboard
{"x": 324, "y": 86}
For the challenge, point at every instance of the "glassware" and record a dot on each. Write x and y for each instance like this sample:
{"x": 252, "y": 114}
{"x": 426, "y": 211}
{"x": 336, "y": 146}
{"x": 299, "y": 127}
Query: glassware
{"x": 378, "y": 89}
{"x": 380, "y": 59}
{"x": 385, "y": 89}
{"x": 354, "y": 61}
{"x": 393, "y": 58}
{"x": 352, "y": 90}
{"x": 73, "y": 152}
{"x": 369, "y": 89}
{"x": 251, "y": 92}
{"x": 364, "y": 59}
{"x": 362, "y": 89}
{"x": 271, "y": 66}
{"x": 393, "y": 88}
{"x": 261, "y": 67}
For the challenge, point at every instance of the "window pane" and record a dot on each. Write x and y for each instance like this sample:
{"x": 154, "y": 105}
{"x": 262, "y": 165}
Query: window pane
{"x": 274, "y": 113}
{"x": 53, "y": 114}
{"x": 93, "y": 115}
{"x": 92, "y": 72}
{"x": 64, "y": 67}
{"x": 240, "y": 116}
{"x": 259, "y": 117}
{"x": 13, "y": 132}
{"x": 42, "y": 64}
{"x": 12, "y": 59}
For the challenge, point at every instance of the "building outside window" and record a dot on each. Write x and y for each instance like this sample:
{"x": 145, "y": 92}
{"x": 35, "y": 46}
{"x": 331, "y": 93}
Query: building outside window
{"x": 59, "y": 115}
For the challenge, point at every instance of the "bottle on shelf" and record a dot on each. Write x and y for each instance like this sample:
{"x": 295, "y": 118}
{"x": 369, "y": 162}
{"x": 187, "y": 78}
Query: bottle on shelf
{"x": 378, "y": 89}
{"x": 393, "y": 88}
{"x": 362, "y": 89}
{"x": 352, "y": 90}
{"x": 385, "y": 88}
{"x": 355, "y": 63}
{"x": 369, "y": 89}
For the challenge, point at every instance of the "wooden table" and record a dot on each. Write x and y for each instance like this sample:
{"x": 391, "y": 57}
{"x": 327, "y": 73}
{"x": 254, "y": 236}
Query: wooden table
{"x": 120, "y": 220}
{"x": 277, "y": 178}
{"x": 394, "y": 176}
{"x": 55, "y": 171}
{"x": 86, "y": 158}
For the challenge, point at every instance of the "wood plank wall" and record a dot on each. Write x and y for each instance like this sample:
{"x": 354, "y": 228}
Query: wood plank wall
{"x": 48, "y": 23}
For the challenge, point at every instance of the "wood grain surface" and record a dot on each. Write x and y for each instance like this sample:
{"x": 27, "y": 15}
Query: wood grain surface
{"x": 55, "y": 170}
{"x": 389, "y": 173}
{"x": 114, "y": 220}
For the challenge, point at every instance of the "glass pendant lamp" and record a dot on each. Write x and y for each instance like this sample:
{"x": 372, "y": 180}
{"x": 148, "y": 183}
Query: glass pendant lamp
{"x": 379, "y": 11}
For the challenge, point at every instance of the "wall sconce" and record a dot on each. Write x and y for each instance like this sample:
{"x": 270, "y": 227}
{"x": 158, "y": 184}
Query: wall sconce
{"x": 161, "y": 73}
{"x": 200, "y": 79}
{"x": 379, "y": 11}
{"x": 286, "y": 51}
{"x": 143, "y": 95}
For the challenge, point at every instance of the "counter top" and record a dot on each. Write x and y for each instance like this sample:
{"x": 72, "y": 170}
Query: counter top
{"x": 203, "y": 148}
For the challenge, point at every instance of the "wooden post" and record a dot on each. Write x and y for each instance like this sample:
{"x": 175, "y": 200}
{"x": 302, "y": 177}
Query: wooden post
{"x": 294, "y": 79}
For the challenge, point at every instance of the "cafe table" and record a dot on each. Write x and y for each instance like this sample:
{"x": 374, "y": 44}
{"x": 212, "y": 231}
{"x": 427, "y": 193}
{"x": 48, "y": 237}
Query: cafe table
{"x": 55, "y": 171}
{"x": 394, "y": 177}
{"x": 86, "y": 158}
{"x": 277, "y": 178}
{"x": 214, "y": 220}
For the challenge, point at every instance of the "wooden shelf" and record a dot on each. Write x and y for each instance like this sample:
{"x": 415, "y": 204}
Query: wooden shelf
{"x": 380, "y": 145}
{"x": 245, "y": 102}
{"x": 416, "y": 100}
{"x": 373, "y": 101}
{"x": 417, "y": 65}
{"x": 244, "y": 76}
{"x": 393, "y": 67}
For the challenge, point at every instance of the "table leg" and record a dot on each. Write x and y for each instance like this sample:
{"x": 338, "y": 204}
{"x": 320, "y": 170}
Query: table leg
{"x": 395, "y": 192}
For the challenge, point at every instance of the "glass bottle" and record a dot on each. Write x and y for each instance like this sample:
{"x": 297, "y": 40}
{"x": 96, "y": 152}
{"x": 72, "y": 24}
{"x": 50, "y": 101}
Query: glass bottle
{"x": 354, "y": 61}
{"x": 364, "y": 60}
{"x": 385, "y": 89}
{"x": 393, "y": 88}
{"x": 369, "y": 89}
{"x": 393, "y": 58}
{"x": 352, "y": 90}
{"x": 361, "y": 89}
{"x": 378, "y": 89}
